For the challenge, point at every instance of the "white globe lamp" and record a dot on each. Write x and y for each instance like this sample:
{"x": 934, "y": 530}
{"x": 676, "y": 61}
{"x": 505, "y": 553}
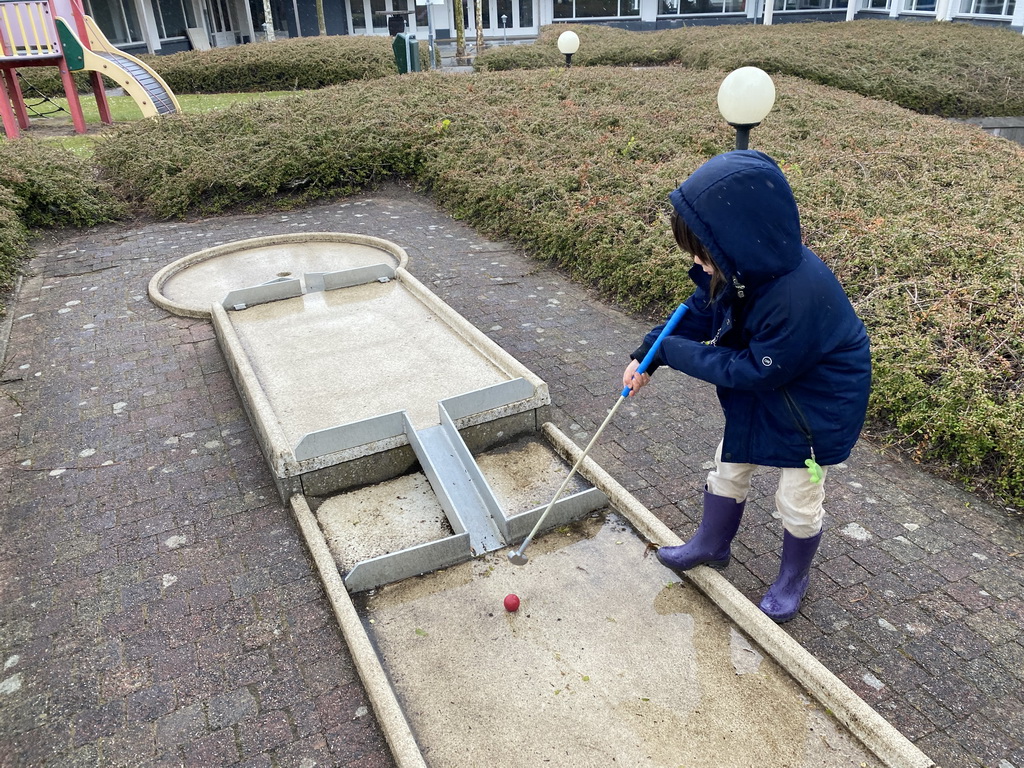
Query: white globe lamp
{"x": 568, "y": 44}
{"x": 745, "y": 98}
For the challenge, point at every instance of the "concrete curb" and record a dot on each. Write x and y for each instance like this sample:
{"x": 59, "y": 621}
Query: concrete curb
{"x": 5, "y": 328}
{"x": 157, "y": 282}
{"x": 276, "y": 450}
{"x": 876, "y": 733}
{"x": 385, "y": 704}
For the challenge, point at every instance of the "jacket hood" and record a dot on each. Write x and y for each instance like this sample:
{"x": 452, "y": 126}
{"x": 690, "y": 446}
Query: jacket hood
{"x": 740, "y": 206}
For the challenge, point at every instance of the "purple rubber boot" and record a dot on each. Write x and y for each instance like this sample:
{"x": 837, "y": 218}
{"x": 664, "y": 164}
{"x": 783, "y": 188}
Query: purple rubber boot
{"x": 710, "y": 544}
{"x": 782, "y": 601}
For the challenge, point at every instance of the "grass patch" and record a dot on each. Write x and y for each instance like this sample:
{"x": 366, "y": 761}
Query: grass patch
{"x": 124, "y": 109}
{"x": 59, "y": 129}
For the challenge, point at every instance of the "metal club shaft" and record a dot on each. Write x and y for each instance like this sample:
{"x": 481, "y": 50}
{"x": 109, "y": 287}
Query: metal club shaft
{"x": 518, "y": 556}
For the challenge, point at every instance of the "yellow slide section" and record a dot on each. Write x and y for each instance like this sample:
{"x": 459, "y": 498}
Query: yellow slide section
{"x": 137, "y": 79}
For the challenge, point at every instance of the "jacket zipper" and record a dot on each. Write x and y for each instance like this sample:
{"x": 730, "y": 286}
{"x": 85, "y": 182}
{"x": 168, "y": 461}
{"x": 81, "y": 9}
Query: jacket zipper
{"x": 727, "y": 323}
{"x": 813, "y": 468}
{"x": 800, "y": 420}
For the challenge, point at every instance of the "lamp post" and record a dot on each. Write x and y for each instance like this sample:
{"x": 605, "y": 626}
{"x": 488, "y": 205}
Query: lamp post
{"x": 568, "y": 43}
{"x": 431, "y": 48}
{"x": 745, "y": 98}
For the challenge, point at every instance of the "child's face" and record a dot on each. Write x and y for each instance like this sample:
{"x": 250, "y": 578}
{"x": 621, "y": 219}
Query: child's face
{"x": 707, "y": 269}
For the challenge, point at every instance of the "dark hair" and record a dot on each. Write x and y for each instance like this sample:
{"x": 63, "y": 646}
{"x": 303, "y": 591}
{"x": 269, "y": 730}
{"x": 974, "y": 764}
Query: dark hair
{"x": 691, "y": 245}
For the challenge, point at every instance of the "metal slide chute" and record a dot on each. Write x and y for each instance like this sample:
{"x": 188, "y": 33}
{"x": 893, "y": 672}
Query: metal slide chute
{"x": 137, "y": 79}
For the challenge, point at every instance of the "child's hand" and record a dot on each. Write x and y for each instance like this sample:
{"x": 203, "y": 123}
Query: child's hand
{"x": 632, "y": 380}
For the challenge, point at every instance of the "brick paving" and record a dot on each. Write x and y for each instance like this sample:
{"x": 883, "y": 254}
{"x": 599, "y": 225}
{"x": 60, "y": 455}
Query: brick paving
{"x": 158, "y": 606}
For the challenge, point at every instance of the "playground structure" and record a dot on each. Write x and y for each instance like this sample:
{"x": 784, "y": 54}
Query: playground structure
{"x": 33, "y": 34}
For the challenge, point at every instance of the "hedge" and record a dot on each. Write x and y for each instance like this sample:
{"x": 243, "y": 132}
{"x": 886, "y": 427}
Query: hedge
{"x": 919, "y": 217}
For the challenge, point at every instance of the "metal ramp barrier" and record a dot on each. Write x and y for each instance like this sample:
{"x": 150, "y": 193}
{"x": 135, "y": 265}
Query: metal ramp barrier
{"x": 477, "y": 520}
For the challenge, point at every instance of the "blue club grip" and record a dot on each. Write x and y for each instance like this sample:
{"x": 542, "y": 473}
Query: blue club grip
{"x": 669, "y": 327}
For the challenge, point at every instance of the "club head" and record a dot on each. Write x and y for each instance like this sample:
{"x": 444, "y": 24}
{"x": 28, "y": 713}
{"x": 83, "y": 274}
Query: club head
{"x": 517, "y": 558}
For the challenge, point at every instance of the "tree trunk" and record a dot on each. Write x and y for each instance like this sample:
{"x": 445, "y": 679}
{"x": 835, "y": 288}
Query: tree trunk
{"x": 479, "y": 26}
{"x": 460, "y": 33}
{"x": 268, "y": 21}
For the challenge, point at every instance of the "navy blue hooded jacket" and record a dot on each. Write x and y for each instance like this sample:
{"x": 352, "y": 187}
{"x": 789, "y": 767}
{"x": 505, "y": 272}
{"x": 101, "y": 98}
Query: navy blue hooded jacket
{"x": 781, "y": 341}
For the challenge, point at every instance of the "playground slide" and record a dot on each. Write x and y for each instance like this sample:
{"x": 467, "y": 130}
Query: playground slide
{"x": 140, "y": 82}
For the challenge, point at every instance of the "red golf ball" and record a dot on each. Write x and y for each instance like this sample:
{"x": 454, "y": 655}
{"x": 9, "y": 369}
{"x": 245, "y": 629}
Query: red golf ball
{"x": 511, "y": 603}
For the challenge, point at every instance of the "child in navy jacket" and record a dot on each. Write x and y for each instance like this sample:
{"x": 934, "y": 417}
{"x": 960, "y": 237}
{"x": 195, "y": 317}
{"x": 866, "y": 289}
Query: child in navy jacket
{"x": 771, "y": 327}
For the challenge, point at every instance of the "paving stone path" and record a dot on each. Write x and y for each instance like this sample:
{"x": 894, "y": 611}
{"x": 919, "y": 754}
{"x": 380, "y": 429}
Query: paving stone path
{"x": 158, "y": 606}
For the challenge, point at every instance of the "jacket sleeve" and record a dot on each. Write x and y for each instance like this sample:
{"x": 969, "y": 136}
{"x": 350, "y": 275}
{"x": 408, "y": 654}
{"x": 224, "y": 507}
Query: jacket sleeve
{"x": 786, "y": 342}
{"x": 695, "y": 324}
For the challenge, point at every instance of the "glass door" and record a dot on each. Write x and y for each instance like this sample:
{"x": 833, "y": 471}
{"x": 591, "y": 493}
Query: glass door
{"x": 117, "y": 20}
{"x": 502, "y": 19}
{"x": 221, "y": 22}
{"x": 370, "y": 17}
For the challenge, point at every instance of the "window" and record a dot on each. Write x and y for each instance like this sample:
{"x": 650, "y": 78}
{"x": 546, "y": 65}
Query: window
{"x": 525, "y": 13}
{"x": 280, "y": 11}
{"x": 879, "y": 4}
{"x": 919, "y": 5}
{"x": 379, "y": 15}
{"x": 116, "y": 19}
{"x": 678, "y": 7}
{"x": 469, "y": 14}
{"x": 173, "y": 17}
{"x": 987, "y": 7}
{"x": 358, "y": 17}
{"x": 504, "y": 14}
{"x": 810, "y": 5}
{"x": 591, "y": 9}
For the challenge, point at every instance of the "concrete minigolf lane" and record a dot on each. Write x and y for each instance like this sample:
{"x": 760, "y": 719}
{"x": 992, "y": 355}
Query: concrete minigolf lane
{"x": 610, "y": 660}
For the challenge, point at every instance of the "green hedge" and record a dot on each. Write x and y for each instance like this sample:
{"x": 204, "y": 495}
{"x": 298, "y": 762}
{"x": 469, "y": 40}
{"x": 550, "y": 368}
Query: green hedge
{"x": 41, "y": 187}
{"x": 295, "y": 64}
{"x": 920, "y": 217}
{"x": 948, "y": 69}
{"x": 13, "y": 238}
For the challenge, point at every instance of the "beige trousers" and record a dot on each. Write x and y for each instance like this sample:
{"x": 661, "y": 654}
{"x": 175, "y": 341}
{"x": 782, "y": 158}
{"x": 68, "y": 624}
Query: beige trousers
{"x": 797, "y": 499}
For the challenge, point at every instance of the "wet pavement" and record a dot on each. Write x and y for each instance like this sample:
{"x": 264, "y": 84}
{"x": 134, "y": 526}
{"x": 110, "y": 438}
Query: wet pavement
{"x": 609, "y": 660}
{"x": 158, "y": 604}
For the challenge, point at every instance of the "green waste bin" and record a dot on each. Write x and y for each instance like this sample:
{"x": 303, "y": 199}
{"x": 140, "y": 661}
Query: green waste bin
{"x": 407, "y": 53}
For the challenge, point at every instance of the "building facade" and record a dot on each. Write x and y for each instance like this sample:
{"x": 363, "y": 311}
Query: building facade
{"x": 170, "y": 26}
